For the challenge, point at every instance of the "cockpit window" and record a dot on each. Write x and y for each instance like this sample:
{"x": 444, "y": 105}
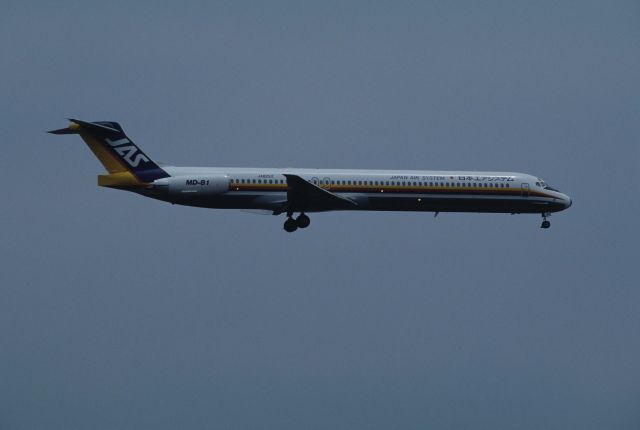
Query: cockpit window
{"x": 544, "y": 185}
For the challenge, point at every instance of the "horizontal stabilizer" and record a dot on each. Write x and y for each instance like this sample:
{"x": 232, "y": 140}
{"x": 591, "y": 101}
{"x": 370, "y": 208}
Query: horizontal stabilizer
{"x": 64, "y": 131}
{"x": 103, "y": 128}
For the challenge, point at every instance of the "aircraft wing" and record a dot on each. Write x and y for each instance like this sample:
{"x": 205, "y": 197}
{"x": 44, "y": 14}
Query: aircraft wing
{"x": 305, "y": 196}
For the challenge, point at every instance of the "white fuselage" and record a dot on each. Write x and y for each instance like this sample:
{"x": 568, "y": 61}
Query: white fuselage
{"x": 386, "y": 190}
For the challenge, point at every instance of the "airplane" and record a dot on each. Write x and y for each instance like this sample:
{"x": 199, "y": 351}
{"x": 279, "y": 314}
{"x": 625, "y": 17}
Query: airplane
{"x": 302, "y": 191}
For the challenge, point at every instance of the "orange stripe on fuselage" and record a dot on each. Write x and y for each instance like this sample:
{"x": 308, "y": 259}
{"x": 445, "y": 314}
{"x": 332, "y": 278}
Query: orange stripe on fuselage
{"x": 391, "y": 189}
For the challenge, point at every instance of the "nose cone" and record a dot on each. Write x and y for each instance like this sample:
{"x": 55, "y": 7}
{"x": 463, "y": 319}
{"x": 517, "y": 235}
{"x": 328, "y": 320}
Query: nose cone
{"x": 567, "y": 201}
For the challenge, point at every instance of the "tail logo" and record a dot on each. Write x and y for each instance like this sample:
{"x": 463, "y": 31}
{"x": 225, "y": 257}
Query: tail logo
{"x": 129, "y": 153}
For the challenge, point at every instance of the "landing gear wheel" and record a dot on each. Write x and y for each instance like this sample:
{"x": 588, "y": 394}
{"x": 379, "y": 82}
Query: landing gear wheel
{"x": 290, "y": 225}
{"x": 545, "y": 222}
{"x": 303, "y": 221}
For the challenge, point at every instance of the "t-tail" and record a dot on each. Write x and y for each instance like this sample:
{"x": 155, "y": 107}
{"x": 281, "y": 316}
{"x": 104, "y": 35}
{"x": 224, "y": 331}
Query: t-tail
{"x": 128, "y": 165}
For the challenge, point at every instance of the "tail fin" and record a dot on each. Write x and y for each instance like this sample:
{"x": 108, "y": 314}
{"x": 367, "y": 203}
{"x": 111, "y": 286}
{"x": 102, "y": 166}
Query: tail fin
{"x": 114, "y": 149}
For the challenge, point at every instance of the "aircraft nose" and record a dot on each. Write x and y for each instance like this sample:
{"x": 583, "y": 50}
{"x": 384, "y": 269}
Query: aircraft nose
{"x": 567, "y": 202}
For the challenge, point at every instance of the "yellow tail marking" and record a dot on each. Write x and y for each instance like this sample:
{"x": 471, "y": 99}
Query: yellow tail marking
{"x": 119, "y": 180}
{"x": 108, "y": 160}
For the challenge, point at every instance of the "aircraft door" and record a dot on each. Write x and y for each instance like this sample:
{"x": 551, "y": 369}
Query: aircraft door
{"x": 524, "y": 190}
{"x": 315, "y": 181}
{"x": 326, "y": 182}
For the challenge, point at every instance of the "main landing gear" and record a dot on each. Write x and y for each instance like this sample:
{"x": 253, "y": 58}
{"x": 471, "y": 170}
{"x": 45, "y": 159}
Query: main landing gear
{"x": 545, "y": 222}
{"x": 291, "y": 224}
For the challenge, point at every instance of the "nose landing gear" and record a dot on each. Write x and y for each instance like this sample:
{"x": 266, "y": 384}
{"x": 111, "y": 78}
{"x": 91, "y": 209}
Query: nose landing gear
{"x": 291, "y": 225}
{"x": 545, "y": 222}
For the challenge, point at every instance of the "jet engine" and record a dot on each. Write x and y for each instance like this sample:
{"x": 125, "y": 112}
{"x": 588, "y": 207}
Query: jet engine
{"x": 194, "y": 185}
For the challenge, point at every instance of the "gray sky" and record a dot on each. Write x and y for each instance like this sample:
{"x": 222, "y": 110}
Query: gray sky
{"x": 122, "y": 312}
